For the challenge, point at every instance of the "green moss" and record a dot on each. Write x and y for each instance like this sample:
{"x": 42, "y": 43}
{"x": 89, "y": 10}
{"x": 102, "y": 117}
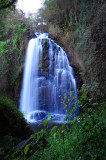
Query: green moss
{"x": 45, "y": 58}
{"x": 40, "y": 66}
{"x": 11, "y": 120}
{"x": 8, "y": 142}
{"x": 46, "y": 44}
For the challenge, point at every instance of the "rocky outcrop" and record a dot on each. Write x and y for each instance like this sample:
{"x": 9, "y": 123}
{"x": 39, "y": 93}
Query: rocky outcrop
{"x": 86, "y": 51}
{"x": 12, "y": 122}
{"x": 83, "y": 37}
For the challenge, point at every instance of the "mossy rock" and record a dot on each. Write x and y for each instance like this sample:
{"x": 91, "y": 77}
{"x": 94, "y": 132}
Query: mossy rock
{"x": 12, "y": 122}
{"x": 7, "y": 142}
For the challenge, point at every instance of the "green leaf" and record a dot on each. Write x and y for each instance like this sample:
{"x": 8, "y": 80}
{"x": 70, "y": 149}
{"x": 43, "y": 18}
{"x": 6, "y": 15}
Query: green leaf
{"x": 72, "y": 92}
{"x": 73, "y": 98}
{"x": 89, "y": 109}
{"x": 26, "y": 149}
{"x": 49, "y": 117}
{"x": 45, "y": 122}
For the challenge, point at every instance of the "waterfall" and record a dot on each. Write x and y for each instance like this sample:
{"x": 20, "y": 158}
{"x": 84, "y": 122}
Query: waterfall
{"x": 49, "y": 86}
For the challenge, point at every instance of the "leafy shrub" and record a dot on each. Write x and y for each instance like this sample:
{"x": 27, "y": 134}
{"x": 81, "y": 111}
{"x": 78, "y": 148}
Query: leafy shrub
{"x": 14, "y": 29}
{"x": 85, "y": 139}
{"x": 82, "y": 139}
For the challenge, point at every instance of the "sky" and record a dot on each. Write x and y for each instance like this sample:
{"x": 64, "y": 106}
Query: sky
{"x": 29, "y": 6}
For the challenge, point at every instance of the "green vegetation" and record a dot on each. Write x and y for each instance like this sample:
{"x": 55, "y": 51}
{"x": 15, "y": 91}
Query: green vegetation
{"x": 46, "y": 44}
{"x": 13, "y": 127}
{"x": 83, "y": 139}
{"x": 6, "y": 3}
{"x": 14, "y": 30}
{"x": 78, "y": 25}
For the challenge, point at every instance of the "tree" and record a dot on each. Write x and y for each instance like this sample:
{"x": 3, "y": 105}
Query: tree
{"x": 6, "y": 3}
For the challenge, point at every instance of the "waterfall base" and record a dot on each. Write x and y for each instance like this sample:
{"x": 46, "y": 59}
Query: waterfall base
{"x": 39, "y": 116}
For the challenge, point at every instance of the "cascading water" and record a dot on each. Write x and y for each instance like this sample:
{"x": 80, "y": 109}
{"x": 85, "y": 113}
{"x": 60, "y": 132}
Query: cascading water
{"x": 49, "y": 86}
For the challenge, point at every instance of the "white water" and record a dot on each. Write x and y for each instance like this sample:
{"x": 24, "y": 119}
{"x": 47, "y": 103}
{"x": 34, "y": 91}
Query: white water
{"x": 54, "y": 93}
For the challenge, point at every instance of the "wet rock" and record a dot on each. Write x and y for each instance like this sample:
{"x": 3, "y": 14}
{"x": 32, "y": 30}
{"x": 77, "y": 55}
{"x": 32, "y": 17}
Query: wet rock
{"x": 45, "y": 83}
{"x": 45, "y": 44}
{"x": 45, "y": 64}
{"x": 39, "y": 116}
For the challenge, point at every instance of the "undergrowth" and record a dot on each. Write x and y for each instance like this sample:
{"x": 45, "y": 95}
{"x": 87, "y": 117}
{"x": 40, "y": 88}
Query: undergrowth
{"x": 82, "y": 139}
{"x": 85, "y": 139}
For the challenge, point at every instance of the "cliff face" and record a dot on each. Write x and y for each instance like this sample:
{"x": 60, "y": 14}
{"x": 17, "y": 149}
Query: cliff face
{"x": 85, "y": 44}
